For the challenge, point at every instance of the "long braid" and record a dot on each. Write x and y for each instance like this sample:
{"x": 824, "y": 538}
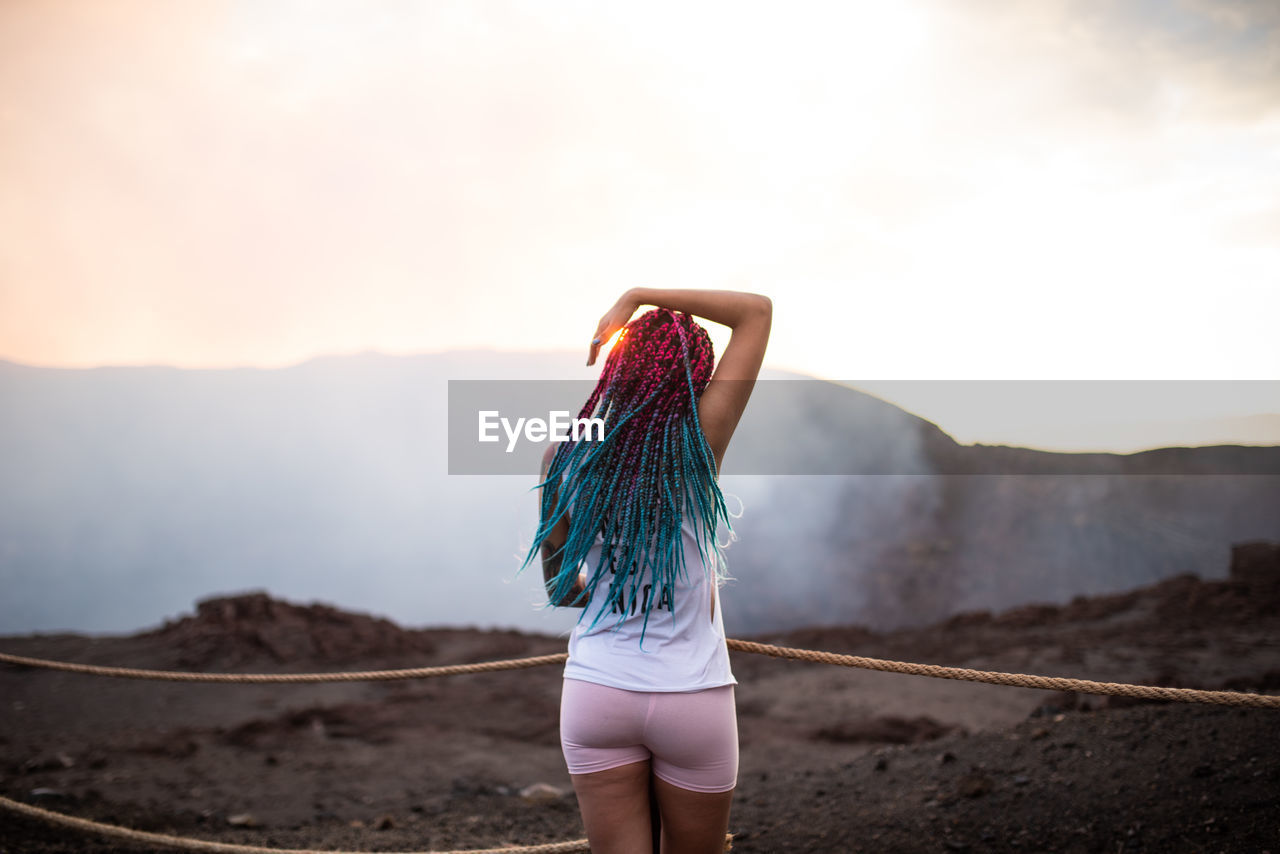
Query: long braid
{"x": 634, "y": 487}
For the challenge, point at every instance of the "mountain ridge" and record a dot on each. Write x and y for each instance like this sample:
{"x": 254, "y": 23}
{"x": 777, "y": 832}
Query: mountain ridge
{"x": 127, "y": 493}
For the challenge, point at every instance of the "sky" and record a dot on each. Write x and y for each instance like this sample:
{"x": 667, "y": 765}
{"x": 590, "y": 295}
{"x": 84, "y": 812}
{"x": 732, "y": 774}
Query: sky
{"x": 926, "y": 189}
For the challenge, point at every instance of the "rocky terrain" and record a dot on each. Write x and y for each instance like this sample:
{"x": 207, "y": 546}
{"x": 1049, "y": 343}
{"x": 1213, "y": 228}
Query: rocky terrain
{"x": 833, "y": 759}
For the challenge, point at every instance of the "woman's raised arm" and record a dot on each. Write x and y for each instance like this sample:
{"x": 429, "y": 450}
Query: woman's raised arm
{"x": 750, "y": 316}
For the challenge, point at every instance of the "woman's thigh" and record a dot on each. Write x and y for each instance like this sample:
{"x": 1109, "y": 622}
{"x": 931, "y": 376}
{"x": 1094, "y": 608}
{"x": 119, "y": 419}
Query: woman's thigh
{"x": 692, "y": 822}
{"x": 615, "y": 809}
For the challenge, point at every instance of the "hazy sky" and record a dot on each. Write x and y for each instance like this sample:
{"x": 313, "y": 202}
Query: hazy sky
{"x": 930, "y": 190}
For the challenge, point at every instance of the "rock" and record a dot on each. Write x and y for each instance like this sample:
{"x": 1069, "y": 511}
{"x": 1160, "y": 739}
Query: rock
{"x": 1256, "y": 563}
{"x": 540, "y": 793}
{"x": 45, "y": 793}
{"x": 973, "y": 785}
{"x": 384, "y": 822}
{"x": 243, "y": 819}
{"x": 228, "y": 630}
{"x": 56, "y": 762}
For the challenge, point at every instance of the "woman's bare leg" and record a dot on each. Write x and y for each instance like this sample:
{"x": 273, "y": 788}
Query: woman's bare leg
{"x": 615, "y": 809}
{"x": 692, "y": 822}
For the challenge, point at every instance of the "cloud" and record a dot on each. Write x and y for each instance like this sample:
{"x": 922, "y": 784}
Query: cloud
{"x": 259, "y": 182}
{"x": 1130, "y": 64}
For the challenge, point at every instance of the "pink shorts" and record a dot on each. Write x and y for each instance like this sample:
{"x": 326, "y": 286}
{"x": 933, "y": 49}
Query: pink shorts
{"x": 692, "y": 737}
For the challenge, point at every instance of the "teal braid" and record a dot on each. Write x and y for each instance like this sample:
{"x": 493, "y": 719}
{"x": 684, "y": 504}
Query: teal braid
{"x": 634, "y": 486}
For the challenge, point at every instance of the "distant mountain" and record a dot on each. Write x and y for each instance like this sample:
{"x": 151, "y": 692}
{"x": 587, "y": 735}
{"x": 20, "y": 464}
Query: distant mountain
{"x": 921, "y": 527}
{"x": 127, "y": 493}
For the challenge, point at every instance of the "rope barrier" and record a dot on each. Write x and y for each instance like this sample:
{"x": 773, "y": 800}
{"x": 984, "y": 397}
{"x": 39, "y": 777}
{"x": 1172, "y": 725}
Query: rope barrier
{"x": 1083, "y": 686}
{"x": 189, "y": 844}
{"x": 1230, "y": 698}
{"x": 1054, "y": 683}
{"x": 353, "y": 676}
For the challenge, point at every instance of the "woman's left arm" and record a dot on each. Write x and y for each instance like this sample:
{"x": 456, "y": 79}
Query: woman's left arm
{"x": 552, "y": 544}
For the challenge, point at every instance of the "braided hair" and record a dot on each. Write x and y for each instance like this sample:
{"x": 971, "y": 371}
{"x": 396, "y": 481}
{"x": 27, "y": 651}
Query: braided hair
{"x": 634, "y": 486}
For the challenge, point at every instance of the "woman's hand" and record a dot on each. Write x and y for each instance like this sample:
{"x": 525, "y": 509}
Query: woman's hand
{"x": 614, "y": 319}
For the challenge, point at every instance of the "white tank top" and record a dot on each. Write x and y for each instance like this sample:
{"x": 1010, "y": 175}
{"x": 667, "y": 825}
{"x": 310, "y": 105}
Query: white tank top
{"x": 684, "y": 647}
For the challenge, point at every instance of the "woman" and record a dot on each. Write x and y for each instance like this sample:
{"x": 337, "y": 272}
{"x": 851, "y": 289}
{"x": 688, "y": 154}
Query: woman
{"x": 628, "y": 533}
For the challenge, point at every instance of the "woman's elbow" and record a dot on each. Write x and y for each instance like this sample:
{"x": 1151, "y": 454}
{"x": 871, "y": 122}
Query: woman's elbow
{"x": 575, "y": 598}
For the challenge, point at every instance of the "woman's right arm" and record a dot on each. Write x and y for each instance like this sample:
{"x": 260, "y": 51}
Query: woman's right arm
{"x": 750, "y": 316}
{"x": 552, "y": 544}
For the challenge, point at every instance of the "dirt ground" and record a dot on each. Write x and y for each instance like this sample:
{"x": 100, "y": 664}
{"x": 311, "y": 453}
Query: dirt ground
{"x": 833, "y": 759}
